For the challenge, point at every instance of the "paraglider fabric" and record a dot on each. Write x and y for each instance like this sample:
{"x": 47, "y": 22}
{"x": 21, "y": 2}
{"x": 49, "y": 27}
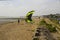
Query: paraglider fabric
{"x": 28, "y": 17}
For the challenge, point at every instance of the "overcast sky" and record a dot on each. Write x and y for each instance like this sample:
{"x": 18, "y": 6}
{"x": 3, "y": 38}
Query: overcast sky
{"x": 16, "y": 8}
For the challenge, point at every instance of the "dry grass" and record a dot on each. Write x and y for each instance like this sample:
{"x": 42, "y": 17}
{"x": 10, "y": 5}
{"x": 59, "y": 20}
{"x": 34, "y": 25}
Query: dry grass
{"x": 57, "y": 34}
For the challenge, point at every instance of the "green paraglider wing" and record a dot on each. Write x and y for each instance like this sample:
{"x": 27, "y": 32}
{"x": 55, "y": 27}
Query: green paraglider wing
{"x": 31, "y": 12}
{"x": 29, "y": 15}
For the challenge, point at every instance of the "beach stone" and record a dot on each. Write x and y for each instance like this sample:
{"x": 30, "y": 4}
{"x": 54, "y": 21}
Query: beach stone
{"x": 35, "y": 38}
{"x": 37, "y": 34}
{"x": 38, "y": 31}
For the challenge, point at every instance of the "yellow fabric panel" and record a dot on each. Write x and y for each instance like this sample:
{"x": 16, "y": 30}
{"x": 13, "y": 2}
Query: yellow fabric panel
{"x": 28, "y": 21}
{"x": 29, "y": 13}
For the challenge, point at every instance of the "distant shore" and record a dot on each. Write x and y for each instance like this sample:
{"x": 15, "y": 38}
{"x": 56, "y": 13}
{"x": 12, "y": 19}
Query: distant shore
{"x": 6, "y": 21}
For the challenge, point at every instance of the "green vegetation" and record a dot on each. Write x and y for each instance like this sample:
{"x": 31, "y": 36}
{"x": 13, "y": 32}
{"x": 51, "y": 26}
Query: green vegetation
{"x": 54, "y": 17}
{"x": 55, "y": 21}
{"x": 49, "y": 26}
{"x": 42, "y": 22}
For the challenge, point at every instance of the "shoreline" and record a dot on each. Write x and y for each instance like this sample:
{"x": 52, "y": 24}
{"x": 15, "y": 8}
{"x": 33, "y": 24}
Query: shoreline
{"x": 3, "y": 23}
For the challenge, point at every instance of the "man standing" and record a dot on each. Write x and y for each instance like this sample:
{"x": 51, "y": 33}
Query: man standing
{"x": 18, "y": 21}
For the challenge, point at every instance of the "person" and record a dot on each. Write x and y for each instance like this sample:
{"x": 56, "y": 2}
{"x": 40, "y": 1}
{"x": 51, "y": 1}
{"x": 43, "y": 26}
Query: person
{"x": 39, "y": 17}
{"x": 18, "y": 21}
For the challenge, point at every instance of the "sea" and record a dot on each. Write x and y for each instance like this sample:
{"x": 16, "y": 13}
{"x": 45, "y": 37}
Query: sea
{"x": 7, "y": 20}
